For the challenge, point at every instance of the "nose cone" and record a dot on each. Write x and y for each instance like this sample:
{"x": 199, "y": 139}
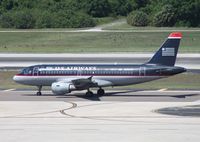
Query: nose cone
{"x": 16, "y": 78}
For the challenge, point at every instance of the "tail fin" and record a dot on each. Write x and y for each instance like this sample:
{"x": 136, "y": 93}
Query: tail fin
{"x": 166, "y": 55}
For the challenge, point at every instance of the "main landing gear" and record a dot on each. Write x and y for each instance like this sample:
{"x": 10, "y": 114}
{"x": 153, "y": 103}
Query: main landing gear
{"x": 89, "y": 93}
{"x": 39, "y": 91}
{"x": 100, "y": 92}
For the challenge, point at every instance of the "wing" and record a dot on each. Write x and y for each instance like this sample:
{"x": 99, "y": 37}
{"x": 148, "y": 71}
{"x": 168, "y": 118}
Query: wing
{"x": 85, "y": 83}
{"x": 82, "y": 83}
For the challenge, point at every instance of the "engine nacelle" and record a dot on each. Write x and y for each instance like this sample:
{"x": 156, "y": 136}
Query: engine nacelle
{"x": 61, "y": 88}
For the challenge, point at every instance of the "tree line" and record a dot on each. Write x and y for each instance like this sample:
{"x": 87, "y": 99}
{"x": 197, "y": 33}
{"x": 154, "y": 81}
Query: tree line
{"x": 26, "y": 14}
{"x": 167, "y": 13}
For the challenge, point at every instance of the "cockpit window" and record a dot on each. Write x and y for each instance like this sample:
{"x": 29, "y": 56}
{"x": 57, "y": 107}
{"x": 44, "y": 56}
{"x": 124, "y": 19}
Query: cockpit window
{"x": 26, "y": 71}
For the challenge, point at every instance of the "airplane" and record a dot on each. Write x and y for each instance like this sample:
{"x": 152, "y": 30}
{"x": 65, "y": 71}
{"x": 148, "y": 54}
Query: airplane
{"x": 65, "y": 78}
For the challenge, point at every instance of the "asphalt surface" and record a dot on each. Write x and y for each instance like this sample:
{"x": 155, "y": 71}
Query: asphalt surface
{"x": 111, "y": 95}
{"x": 122, "y": 115}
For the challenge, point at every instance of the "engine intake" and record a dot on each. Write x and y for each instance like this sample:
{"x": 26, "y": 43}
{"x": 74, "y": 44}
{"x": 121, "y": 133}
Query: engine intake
{"x": 61, "y": 88}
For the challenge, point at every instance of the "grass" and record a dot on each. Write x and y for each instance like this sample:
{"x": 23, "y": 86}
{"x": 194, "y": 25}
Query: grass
{"x": 84, "y": 42}
{"x": 182, "y": 81}
{"x": 6, "y": 81}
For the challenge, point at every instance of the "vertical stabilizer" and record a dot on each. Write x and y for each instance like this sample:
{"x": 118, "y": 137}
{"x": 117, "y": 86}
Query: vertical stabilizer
{"x": 167, "y": 54}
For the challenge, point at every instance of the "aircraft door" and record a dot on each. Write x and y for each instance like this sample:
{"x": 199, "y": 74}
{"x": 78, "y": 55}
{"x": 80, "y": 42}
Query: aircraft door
{"x": 35, "y": 71}
{"x": 142, "y": 71}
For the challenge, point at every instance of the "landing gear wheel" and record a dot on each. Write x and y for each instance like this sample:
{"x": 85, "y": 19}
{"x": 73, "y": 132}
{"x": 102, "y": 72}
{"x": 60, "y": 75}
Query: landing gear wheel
{"x": 89, "y": 94}
{"x": 100, "y": 92}
{"x": 39, "y": 93}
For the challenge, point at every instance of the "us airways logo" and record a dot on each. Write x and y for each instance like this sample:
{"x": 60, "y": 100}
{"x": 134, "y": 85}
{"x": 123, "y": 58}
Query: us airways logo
{"x": 168, "y": 51}
{"x": 68, "y": 68}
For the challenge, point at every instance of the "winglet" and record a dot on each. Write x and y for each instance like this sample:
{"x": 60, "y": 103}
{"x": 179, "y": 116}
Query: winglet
{"x": 175, "y": 35}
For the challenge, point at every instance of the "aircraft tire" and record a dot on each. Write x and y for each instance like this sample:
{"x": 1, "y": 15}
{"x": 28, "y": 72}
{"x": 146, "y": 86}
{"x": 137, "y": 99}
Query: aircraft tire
{"x": 39, "y": 94}
{"x": 100, "y": 92}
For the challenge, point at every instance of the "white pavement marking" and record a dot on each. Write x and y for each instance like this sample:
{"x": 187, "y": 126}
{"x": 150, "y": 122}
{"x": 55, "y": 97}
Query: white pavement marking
{"x": 161, "y": 90}
{"x": 9, "y": 90}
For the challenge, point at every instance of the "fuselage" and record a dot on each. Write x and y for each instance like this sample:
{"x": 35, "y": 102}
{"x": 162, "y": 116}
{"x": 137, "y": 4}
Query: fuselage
{"x": 117, "y": 74}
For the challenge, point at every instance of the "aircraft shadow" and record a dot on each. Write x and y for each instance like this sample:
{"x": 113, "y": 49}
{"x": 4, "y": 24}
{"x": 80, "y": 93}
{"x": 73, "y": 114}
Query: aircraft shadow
{"x": 95, "y": 97}
{"x": 175, "y": 96}
{"x": 112, "y": 94}
{"x": 119, "y": 94}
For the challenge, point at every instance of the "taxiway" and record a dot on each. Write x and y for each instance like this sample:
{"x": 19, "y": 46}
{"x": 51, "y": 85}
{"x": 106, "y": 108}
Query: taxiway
{"x": 122, "y": 115}
{"x": 117, "y": 117}
{"x": 111, "y": 95}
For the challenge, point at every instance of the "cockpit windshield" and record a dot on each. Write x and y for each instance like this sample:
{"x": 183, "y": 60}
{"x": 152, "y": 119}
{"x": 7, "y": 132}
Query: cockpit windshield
{"x": 26, "y": 71}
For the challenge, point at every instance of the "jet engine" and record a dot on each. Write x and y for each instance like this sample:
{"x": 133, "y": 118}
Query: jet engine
{"x": 61, "y": 88}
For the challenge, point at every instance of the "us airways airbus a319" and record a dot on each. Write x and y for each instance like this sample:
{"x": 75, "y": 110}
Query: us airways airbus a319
{"x": 65, "y": 78}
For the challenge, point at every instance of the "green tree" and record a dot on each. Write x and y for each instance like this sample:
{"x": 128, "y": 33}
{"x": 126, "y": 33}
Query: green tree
{"x": 137, "y": 18}
{"x": 166, "y": 17}
{"x": 189, "y": 13}
{"x": 7, "y": 4}
{"x": 44, "y": 20}
{"x": 80, "y": 20}
{"x": 6, "y": 20}
{"x": 71, "y": 19}
{"x": 122, "y": 7}
{"x": 24, "y": 19}
{"x": 80, "y": 13}
{"x": 141, "y": 3}
{"x": 98, "y": 8}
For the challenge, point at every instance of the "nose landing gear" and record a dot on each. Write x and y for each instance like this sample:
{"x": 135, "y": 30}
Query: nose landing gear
{"x": 39, "y": 93}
